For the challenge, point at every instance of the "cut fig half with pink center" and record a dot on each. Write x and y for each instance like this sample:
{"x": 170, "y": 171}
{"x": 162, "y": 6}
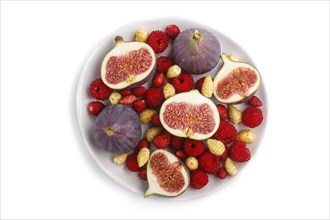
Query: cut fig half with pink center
{"x": 236, "y": 81}
{"x": 166, "y": 174}
{"x": 128, "y": 64}
{"x": 190, "y": 115}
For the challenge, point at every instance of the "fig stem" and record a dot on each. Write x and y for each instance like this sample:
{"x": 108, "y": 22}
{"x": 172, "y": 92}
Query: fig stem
{"x": 197, "y": 35}
{"x": 119, "y": 39}
{"x": 147, "y": 193}
{"x": 224, "y": 57}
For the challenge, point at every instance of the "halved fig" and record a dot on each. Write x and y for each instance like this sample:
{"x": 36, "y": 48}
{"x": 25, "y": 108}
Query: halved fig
{"x": 236, "y": 81}
{"x": 190, "y": 115}
{"x": 117, "y": 129}
{"x": 128, "y": 64}
{"x": 196, "y": 50}
{"x": 166, "y": 174}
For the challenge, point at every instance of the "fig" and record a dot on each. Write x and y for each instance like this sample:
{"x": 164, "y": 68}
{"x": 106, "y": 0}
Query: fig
{"x": 196, "y": 51}
{"x": 117, "y": 129}
{"x": 190, "y": 115}
{"x": 166, "y": 175}
{"x": 236, "y": 81}
{"x": 128, "y": 64}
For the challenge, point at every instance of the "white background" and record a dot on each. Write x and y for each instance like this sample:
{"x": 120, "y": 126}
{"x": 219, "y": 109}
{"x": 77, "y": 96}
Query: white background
{"x": 46, "y": 170}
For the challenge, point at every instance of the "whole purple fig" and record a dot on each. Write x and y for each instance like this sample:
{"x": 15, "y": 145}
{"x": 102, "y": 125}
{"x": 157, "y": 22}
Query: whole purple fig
{"x": 196, "y": 51}
{"x": 117, "y": 129}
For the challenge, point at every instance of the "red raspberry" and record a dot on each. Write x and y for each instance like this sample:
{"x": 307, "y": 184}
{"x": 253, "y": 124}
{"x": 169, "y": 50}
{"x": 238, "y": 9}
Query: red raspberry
{"x": 198, "y": 179}
{"x": 143, "y": 174}
{"x": 222, "y": 112}
{"x": 143, "y": 143}
{"x": 139, "y": 91}
{"x": 158, "y": 41}
{"x": 158, "y": 80}
{"x": 176, "y": 142}
{"x": 99, "y": 90}
{"x": 127, "y": 100}
{"x": 255, "y": 101}
{"x": 161, "y": 141}
{"x": 252, "y": 117}
{"x": 95, "y": 107}
{"x": 163, "y": 64}
{"x": 131, "y": 163}
{"x": 126, "y": 92}
{"x": 172, "y": 31}
{"x": 224, "y": 155}
{"x": 155, "y": 119}
{"x": 181, "y": 155}
{"x": 226, "y": 132}
{"x": 239, "y": 152}
{"x": 199, "y": 84}
{"x": 183, "y": 83}
{"x": 193, "y": 148}
{"x": 222, "y": 173}
{"x": 139, "y": 105}
{"x": 154, "y": 98}
{"x": 209, "y": 162}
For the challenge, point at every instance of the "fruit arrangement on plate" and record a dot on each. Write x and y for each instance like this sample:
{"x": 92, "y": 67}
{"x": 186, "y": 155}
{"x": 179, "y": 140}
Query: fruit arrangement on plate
{"x": 166, "y": 117}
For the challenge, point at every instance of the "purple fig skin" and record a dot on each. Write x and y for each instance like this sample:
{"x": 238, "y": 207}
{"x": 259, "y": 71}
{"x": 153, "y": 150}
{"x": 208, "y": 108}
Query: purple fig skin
{"x": 196, "y": 52}
{"x": 117, "y": 129}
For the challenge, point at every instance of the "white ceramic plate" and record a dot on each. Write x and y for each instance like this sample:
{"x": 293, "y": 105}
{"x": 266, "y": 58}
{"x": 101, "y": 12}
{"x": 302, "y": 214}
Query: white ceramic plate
{"x": 91, "y": 71}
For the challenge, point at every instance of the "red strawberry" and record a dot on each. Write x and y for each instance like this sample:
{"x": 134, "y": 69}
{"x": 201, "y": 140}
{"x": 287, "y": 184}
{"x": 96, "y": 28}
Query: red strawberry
{"x": 139, "y": 105}
{"x": 158, "y": 41}
{"x": 126, "y": 92}
{"x": 143, "y": 174}
{"x": 224, "y": 155}
{"x": 226, "y": 132}
{"x": 127, "y": 100}
{"x": 252, "y": 117}
{"x": 222, "y": 112}
{"x": 99, "y": 90}
{"x": 154, "y": 98}
{"x": 183, "y": 83}
{"x": 155, "y": 119}
{"x": 161, "y": 141}
{"x": 181, "y": 155}
{"x": 255, "y": 101}
{"x": 176, "y": 142}
{"x": 172, "y": 31}
{"x": 139, "y": 91}
{"x": 209, "y": 162}
{"x": 95, "y": 107}
{"x": 199, "y": 84}
{"x": 193, "y": 148}
{"x": 239, "y": 152}
{"x": 158, "y": 80}
{"x": 198, "y": 179}
{"x": 131, "y": 163}
{"x": 163, "y": 64}
{"x": 222, "y": 173}
{"x": 143, "y": 143}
